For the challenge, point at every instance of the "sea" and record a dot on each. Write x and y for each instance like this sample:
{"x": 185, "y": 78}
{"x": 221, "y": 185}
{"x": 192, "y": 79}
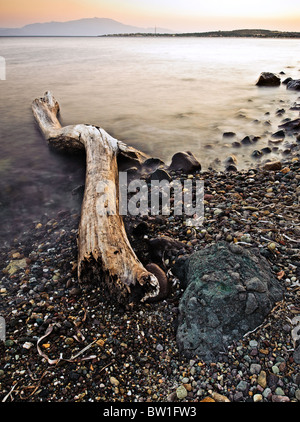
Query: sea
{"x": 159, "y": 94}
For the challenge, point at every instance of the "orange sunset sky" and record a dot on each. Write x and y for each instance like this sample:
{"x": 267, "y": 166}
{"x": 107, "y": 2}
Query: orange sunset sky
{"x": 177, "y": 15}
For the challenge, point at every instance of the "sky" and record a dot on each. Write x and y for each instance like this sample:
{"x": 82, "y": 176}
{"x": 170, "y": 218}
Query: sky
{"x": 176, "y": 15}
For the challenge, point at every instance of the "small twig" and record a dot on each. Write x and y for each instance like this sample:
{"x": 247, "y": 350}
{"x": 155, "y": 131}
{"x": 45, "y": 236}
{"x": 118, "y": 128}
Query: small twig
{"x": 253, "y": 331}
{"x": 104, "y": 367}
{"x": 291, "y": 240}
{"x": 265, "y": 222}
{"x": 36, "y": 387}
{"x": 244, "y": 243}
{"x": 269, "y": 240}
{"x": 9, "y": 394}
{"x": 56, "y": 361}
{"x": 82, "y": 351}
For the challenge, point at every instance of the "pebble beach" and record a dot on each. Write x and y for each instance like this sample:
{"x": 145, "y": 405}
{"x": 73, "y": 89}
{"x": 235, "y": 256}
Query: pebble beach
{"x": 66, "y": 342}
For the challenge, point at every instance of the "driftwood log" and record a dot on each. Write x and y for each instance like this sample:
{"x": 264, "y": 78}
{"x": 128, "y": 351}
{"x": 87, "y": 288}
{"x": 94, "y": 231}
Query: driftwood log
{"x": 104, "y": 252}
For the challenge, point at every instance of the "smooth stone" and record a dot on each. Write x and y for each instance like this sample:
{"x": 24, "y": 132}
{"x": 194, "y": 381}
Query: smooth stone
{"x": 114, "y": 381}
{"x": 246, "y": 140}
{"x": 273, "y": 165}
{"x": 256, "y": 153}
{"x": 255, "y": 368}
{"x": 220, "y": 398}
{"x": 228, "y": 134}
{"x": 279, "y": 391}
{"x": 280, "y": 399}
{"x": 262, "y": 379}
{"x": 243, "y": 386}
{"x": 257, "y": 398}
{"x": 279, "y": 134}
{"x": 267, "y": 392}
{"x": 185, "y": 161}
{"x": 181, "y": 392}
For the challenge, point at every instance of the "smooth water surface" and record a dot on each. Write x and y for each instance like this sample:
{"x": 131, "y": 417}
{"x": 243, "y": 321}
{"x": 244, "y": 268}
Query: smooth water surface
{"x": 161, "y": 95}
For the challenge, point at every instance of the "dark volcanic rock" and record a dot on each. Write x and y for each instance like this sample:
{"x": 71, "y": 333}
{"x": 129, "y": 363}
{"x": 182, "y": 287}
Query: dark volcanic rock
{"x": 229, "y": 134}
{"x": 159, "y": 174}
{"x": 185, "y": 162}
{"x": 291, "y": 125}
{"x": 268, "y": 79}
{"x": 230, "y": 291}
{"x": 231, "y": 167}
{"x": 287, "y": 80}
{"x": 279, "y": 134}
{"x": 246, "y": 140}
{"x": 293, "y": 84}
{"x": 256, "y": 153}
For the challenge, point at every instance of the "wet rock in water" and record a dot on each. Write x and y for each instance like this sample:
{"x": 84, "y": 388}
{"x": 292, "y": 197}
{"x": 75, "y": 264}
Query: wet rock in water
{"x": 293, "y": 84}
{"x": 279, "y": 134}
{"x": 153, "y": 163}
{"x": 280, "y": 112}
{"x": 273, "y": 165}
{"x": 231, "y": 160}
{"x": 287, "y": 80}
{"x": 231, "y": 163}
{"x": 295, "y": 107}
{"x": 256, "y": 153}
{"x": 185, "y": 161}
{"x": 236, "y": 144}
{"x": 230, "y": 291}
{"x": 268, "y": 79}
{"x": 291, "y": 125}
{"x": 229, "y": 135}
{"x": 275, "y": 141}
{"x": 159, "y": 174}
{"x": 246, "y": 140}
{"x": 231, "y": 167}
{"x": 266, "y": 150}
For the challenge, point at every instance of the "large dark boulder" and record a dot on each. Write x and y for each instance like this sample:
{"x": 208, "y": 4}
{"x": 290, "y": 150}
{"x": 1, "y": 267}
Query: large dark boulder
{"x": 229, "y": 291}
{"x": 268, "y": 79}
{"x": 185, "y": 161}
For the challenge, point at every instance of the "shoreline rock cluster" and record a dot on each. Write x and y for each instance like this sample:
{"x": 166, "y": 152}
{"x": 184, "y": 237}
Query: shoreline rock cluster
{"x": 103, "y": 352}
{"x": 67, "y": 342}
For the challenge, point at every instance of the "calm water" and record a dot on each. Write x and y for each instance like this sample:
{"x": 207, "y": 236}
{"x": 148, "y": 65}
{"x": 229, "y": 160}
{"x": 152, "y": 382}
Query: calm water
{"x": 161, "y": 95}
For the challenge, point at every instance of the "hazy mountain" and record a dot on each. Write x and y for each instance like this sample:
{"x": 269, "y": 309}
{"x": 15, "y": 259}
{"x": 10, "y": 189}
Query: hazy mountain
{"x": 81, "y": 27}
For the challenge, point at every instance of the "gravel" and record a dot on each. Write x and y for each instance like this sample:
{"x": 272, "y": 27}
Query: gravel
{"x": 65, "y": 343}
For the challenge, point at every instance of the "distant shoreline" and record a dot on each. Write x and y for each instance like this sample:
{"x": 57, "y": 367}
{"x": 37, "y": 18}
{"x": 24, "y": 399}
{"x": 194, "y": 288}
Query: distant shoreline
{"x": 242, "y": 33}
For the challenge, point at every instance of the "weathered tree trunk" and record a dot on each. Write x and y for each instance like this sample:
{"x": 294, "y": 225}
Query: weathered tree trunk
{"x": 104, "y": 252}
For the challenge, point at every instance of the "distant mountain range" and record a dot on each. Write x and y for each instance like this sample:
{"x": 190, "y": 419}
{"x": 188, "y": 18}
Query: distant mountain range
{"x": 89, "y": 27}
{"x": 93, "y": 27}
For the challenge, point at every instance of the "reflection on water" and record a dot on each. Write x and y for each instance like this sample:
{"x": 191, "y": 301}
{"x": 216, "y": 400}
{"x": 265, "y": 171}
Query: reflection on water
{"x": 161, "y": 95}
